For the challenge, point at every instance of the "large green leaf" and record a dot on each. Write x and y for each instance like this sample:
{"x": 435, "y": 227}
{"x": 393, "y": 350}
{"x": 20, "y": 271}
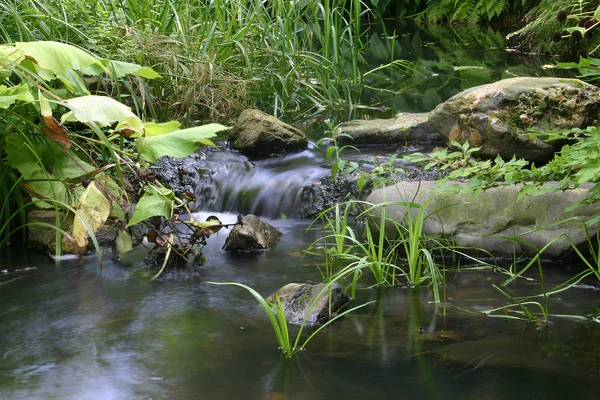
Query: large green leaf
{"x": 151, "y": 205}
{"x": 155, "y": 129}
{"x": 104, "y": 111}
{"x": 9, "y": 57}
{"x": 119, "y": 69}
{"x": 44, "y": 165}
{"x": 178, "y": 144}
{"x": 59, "y": 57}
{"x": 9, "y": 95}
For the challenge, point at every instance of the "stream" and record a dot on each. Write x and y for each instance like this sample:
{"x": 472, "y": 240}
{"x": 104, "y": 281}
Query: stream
{"x": 78, "y": 332}
{"x": 70, "y": 331}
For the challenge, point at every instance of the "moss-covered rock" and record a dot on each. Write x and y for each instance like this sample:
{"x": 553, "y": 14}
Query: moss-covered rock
{"x": 482, "y": 222}
{"x": 258, "y": 134}
{"x": 498, "y": 117}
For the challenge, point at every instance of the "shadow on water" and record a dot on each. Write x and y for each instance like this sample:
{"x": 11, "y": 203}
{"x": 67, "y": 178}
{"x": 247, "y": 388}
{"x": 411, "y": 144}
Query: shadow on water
{"x": 75, "y": 332}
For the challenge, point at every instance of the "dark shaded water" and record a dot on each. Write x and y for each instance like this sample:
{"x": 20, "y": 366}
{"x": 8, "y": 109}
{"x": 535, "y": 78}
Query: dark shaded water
{"x": 75, "y": 332}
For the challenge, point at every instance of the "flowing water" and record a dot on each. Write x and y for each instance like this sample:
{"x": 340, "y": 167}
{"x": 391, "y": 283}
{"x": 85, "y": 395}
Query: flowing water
{"x": 70, "y": 331}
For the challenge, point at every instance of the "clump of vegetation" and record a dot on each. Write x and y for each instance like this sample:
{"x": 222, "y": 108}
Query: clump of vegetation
{"x": 392, "y": 252}
{"x": 216, "y": 58}
{"x": 561, "y": 27}
{"x": 471, "y": 11}
{"x": 574, "y": 165}
{"x": 68, "y": 149}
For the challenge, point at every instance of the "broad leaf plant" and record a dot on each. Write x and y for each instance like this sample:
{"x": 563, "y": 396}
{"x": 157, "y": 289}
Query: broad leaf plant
{"x": 74, "y": 150}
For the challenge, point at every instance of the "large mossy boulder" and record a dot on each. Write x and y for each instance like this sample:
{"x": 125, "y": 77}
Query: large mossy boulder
{"x": 310, "y": 304}
{"x": 402, "y": 129}
{"x": 485, "y": 221}
{"x": 498, "y": 117}
{"x": 252, "y": 235}
{"x": 258, "y": 134}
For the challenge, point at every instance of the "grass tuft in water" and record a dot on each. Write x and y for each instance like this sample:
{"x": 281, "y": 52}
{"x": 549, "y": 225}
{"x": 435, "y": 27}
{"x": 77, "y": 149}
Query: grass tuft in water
{"x": 275, "y": 312}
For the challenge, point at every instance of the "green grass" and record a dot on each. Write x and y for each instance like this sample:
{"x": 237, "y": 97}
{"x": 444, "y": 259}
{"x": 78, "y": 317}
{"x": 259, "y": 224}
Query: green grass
{"x": 390, "y": 251}
{"x": 216, "y": 57}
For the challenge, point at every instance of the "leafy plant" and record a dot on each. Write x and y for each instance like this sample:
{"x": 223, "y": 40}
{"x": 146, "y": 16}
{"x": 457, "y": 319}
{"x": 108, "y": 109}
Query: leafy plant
{"x": 334, "y": 156}
{"x": 57, "y": 166}
{"x": 470, "y": 11}
{"x": 560, "y": 27}
{"x": 218, "y": 56}
{"x": 575, "y": 164}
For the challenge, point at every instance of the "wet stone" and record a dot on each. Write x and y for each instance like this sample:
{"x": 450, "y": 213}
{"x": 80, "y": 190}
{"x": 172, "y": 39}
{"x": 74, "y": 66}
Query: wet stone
{"x": 402, "y": 129}
{"x": 297, "y": 300}
{"x": 252, "y": 235}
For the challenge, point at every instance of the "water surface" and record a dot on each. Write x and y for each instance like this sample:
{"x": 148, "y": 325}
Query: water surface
{"x": 75, "y": 332}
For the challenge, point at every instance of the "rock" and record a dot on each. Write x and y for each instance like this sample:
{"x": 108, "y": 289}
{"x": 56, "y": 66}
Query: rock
{"x": 497, "y": 116}
{"x": 318, "y": 198}
{"x": 44, "y": 238}
{"x": 252, "y": 235}
{"x": 297, "y": 298}
{"x": 478, "y": 222}
{"x": 404, "y": 128}
{"x": 256, "y": 133}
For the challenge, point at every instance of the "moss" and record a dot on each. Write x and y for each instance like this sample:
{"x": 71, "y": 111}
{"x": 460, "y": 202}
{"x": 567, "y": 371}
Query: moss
{"x": 531, "y": 107}
{"x": 575, "y": 82}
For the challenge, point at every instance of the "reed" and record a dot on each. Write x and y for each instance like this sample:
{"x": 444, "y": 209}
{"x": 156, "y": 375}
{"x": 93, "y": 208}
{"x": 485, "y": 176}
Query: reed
{"x": 376, "y": 249}
{"x": 216, "y": 57}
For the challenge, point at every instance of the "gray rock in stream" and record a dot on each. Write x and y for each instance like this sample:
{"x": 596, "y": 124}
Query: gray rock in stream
{"x": 297, "y": 298}
{"x": 252, "y": 235}
{"x": 403, "y": 128}
{"x": 498, "y": 117}
{"x": 484, "y": 221}
{"x": 259, "y": 134}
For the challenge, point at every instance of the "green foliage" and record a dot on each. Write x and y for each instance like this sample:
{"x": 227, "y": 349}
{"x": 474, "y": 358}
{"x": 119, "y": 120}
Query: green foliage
{"x": 576, "y": 163}
{"x": 153, "y": 203}
{"x": 59, "y": 167}
{"x": 34, "y": 161}
{"x": 588, "y": 68}
{"x": 470, "y": 11}
{"x": 178, "y": 143}
{"x": 216, "y": 57}
{"x": 334, "y": 156}
{"x": 548, "y": 33}
{"x": 387, "y": 249}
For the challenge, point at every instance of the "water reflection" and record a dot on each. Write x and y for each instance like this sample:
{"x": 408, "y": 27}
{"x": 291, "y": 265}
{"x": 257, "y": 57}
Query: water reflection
{"x": 73, "y": 332}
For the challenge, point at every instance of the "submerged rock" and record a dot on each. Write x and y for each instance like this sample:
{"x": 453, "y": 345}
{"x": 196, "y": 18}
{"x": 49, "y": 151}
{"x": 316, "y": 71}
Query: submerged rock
{"x": 498, "y": 116}
{"x": 297, "y": 299}
{"x": 256, "y": 133}
{"x": 403, "y": 128}
{"x": 252, "y": 235}
{"x": 483, "y": 221}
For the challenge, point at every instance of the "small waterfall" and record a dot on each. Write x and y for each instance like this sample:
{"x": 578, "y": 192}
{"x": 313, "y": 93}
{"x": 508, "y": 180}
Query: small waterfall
{"x": 271, "y": 188}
